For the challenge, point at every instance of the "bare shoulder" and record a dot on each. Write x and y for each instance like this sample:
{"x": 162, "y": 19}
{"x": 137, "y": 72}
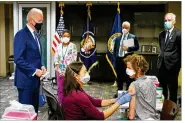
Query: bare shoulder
{"x": 132, "y": 89}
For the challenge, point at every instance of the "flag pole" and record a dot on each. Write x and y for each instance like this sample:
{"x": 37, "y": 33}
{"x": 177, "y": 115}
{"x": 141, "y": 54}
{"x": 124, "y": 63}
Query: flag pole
{"x": 89, "y": 4}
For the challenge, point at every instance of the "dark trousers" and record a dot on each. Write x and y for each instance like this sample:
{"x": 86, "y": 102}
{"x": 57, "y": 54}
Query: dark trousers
{"x": 29, "y": 96}
{"x": 169, "y": 80}
{"x": 121, "y": 74}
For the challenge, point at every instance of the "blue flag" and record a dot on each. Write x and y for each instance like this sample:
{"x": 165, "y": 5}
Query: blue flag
{"x": 88, "y": 46}
{"x": 115, "y": 32}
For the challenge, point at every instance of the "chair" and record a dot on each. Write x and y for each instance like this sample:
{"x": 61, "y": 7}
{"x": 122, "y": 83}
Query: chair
{"x": 53, "y": 80}
{"x": 55, "y": 111}
{"x": 169, "y": 110}
{"x": 10, "y": 61}
{"x": 179, "y": 101}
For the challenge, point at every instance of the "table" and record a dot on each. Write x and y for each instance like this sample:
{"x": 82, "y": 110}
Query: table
{"x": 159, "y": 107}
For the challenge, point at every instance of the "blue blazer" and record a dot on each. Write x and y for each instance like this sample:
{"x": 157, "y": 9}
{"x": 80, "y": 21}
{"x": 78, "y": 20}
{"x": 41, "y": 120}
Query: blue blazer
{"x": 130, "y": 49}
{"x": 27, "y": 59}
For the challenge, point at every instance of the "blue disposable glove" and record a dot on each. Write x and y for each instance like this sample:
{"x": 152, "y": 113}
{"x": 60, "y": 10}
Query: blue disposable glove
{"x": 124, "y": 99}
{"x": 123, "y": 93}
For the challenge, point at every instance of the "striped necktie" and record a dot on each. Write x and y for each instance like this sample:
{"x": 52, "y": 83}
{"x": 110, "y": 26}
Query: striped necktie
{"x": 121, "y": 46}
{"x": 37, "y": 39}
{"x": 168, "y": 36}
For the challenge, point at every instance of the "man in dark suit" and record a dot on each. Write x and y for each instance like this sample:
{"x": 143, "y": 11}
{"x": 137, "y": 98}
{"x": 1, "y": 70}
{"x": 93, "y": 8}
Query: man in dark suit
{"x": 27, "y": 57}
{"x": 169, "y": 60}
{"x": 120, "y": 52}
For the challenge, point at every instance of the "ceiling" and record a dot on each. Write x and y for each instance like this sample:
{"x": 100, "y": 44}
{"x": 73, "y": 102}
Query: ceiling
{"x": 115, "y": 2}
{"x": 100, "y": 2}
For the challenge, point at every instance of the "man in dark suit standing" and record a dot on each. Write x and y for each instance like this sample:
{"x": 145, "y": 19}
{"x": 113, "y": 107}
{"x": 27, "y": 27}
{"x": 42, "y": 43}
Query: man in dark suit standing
{"x": 169, "y": 60}
{"x": 120, "y": 52}
{"x": 27, "y": 57}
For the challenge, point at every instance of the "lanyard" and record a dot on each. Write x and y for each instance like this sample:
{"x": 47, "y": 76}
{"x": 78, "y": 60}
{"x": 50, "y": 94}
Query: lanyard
{"x": 63, "y": 55}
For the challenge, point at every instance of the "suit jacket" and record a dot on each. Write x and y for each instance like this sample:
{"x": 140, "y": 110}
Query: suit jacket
{"x": 171, "y": 50}
{"x": 27, "y": 59}
{"x": 130, "y": 49}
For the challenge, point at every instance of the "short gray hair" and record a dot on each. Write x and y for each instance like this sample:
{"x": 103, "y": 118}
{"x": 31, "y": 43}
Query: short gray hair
{"x": 172, "y": 15}
{"x": 32, "y": 12}
{"x": 126, "y": 23}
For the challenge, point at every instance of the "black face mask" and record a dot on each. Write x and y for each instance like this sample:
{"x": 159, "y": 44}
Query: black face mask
{"x": 38, "y": 26}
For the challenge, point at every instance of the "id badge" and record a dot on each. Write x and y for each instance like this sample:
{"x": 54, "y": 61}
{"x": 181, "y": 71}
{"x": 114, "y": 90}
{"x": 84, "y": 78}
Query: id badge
{"x": 62, "y": 67}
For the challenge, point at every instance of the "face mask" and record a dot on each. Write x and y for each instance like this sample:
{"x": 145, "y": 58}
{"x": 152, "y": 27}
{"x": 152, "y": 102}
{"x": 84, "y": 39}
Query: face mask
{"x": 65, "y": 40}
{"x": 86, "y": 78}
{"x": 168, "y": 25}
{"x": 38, "y": 26}
{"x": 130, "y": 72}
{"x": 124, "y": 31}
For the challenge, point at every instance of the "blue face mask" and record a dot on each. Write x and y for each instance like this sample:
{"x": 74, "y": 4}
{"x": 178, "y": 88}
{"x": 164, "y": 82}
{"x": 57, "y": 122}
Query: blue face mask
{"x": 168, "y": 25}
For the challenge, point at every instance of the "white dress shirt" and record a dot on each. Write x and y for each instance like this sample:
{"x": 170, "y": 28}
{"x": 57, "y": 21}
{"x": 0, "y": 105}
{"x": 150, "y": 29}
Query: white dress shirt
{"x": 169, "y": 34}
{"x": 121, "y": 46}
{"x": 31, "y": 30}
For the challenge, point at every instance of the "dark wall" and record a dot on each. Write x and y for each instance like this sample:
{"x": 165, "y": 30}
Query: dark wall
{"x": 102, "y": 19}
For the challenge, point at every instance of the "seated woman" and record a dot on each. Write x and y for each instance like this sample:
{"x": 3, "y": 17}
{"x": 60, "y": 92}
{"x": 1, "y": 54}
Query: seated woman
{"x": 78, "y": 105}
{"x": 143, "y": 104}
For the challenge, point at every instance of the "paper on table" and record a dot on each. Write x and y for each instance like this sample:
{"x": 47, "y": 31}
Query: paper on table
{"x": 129, "y": 43}
{"x": 42, "y": 77}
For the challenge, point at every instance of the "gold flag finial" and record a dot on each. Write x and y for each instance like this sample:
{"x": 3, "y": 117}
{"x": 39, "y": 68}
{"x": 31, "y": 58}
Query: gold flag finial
{"x": 118, "y": 9}
{"x": 89, "y": 4}
{"x": 61, "y": 5}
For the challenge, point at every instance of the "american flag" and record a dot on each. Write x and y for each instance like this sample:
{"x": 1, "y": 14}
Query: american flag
{"x": 57, "y": 36}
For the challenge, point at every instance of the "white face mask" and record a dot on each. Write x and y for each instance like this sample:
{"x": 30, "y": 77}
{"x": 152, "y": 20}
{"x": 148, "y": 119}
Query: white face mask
{"x": 86, "y": 78}
{"x": 124, "y": 31}
{"x": 65, "y": 40}
{"x": 130, "y": 72}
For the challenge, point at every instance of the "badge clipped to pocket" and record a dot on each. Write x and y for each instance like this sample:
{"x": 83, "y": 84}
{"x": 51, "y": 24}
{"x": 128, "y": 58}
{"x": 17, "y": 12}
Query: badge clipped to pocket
{"x": 63, "y": 67}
